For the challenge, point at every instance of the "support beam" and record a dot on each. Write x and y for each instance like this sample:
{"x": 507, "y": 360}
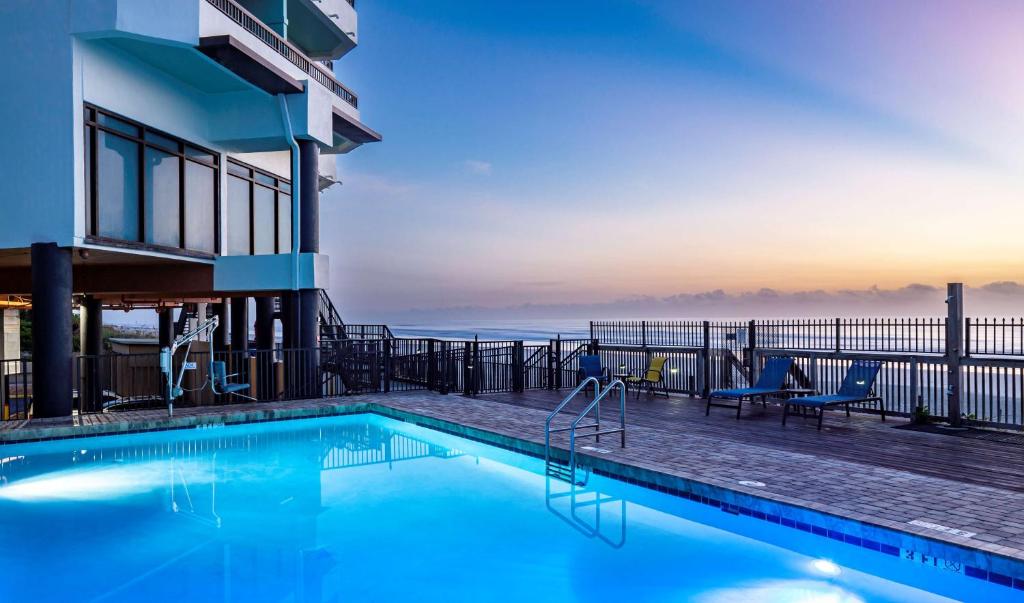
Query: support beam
{"x": 309, "y": 197}
{"x": 51, "y": 331}
{"x": 165, "y": 318}
{"x": 90, "y": 328}
{"x": 264, "y": 323}
{"x": 220, "y": 335}
{"x": 240, "y": 325}
{"x": 90, "y": 345}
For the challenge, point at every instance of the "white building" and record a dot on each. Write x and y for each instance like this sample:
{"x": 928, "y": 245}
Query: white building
{"x": 160, "y": 152}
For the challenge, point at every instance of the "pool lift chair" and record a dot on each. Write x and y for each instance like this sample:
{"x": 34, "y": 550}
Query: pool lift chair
{"x": 217, "y": 376}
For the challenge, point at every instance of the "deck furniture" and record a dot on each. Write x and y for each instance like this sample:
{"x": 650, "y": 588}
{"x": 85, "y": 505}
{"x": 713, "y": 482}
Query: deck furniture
{"x": 856, "y": 387}
{"x": 590, "y": 366}
{"x": 769, "y": 382}
{"x": 654, "y": 377}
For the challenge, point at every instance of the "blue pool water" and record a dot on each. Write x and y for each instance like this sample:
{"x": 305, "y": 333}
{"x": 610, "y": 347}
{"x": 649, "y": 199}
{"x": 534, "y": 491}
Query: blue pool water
{"x": 364, "y": 508}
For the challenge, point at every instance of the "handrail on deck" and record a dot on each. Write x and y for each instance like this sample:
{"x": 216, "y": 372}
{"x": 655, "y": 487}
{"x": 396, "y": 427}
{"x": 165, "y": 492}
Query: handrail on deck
{"x": 237, "y": 13}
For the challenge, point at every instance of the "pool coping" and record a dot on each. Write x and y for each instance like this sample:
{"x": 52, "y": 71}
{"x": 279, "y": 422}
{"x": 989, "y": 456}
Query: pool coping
{"x": 962, "y": 555}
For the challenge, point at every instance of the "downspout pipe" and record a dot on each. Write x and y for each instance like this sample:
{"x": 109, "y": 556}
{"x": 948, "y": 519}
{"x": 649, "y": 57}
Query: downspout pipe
{"x": 296, "y": 183}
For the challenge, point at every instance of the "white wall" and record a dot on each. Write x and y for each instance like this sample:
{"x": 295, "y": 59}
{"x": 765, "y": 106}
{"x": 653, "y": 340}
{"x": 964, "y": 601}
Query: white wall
{"x": 40, "y": 117}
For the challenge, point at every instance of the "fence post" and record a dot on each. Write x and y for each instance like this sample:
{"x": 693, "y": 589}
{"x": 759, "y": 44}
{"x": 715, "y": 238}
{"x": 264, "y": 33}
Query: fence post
{"x": 517, "y": 367}
{"x": 643, "y": 333}
{"x": 387, "y": 365}
{"x": 706, "y": 356}
{"x": 954, "y": 348}
{"x": 813, "y": 377}
{"x": 839, "y": 335}
{"x": 551, "y": 364}
{"x": 914, "y": 384}
{"x": 467, "y": 368}
{"x": 431, "y": 365}
{"x": 558, "y": 362}
{"x": 591, "y": 329}
{"x": 753, "y": 366}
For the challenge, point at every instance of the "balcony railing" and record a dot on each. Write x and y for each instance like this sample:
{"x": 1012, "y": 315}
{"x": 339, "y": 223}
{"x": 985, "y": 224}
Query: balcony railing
{"x": 253, "y": 25}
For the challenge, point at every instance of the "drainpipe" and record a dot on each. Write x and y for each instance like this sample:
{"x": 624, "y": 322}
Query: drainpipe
{"x": 296, "y": 196}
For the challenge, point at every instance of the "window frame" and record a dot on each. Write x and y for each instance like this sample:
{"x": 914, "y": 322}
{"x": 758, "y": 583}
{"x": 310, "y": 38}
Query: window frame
{"x": 251, "y": 179}
{"x": 92, "y": 126}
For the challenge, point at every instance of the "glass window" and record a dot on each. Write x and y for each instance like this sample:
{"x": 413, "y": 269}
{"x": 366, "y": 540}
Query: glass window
{"x": 163, "y": 141}
{"x": 116, "y": 124}
{"x": 117, "y": 176}
{"x": 284, "y": 223}
{"x": 285, "y": 187}
{"x": 234, "y": 168}
{"x": 200, "y": 188}
{"x": 89, "y": 133}
{"x": 265, "y": 179}
{"x": 263, "y": 219}
{"x": 238, "y": 216}
{"x": 199, "y": 154}
{"x": 163, "y": 198}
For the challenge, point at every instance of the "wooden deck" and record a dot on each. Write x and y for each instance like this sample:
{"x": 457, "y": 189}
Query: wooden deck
{"x": 856, "y": 468}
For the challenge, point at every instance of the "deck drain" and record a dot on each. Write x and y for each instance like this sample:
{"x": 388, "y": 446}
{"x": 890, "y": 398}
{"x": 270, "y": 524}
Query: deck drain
{"x": 752, "y": 483}
{"x": 595, "y": 449}
{"x": 941, "y": 528}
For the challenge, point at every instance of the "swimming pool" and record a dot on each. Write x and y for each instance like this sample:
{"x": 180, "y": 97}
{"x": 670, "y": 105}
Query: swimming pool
{"x": 366, "y": 508}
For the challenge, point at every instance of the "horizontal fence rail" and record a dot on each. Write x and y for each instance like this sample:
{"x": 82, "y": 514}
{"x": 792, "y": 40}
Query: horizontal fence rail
{"x": 700, "y": 356}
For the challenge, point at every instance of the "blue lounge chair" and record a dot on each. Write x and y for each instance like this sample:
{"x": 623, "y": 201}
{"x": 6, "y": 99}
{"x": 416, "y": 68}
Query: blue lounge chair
{"x": 590, "y": 366}
{"x": 856, "y": 387}
{"x": 769, "y": 382}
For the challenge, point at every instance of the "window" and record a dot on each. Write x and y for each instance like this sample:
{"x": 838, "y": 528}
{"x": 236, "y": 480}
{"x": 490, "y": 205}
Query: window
{"x": 148, "y": 187}
{"x": 259, "y": 211}
{"x": 239, "y": 235}
{"x": 163, "y": 194}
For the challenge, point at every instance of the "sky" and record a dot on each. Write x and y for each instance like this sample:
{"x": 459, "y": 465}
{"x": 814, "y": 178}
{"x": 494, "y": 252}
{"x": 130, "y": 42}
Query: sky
{"x": 629, "y": 157}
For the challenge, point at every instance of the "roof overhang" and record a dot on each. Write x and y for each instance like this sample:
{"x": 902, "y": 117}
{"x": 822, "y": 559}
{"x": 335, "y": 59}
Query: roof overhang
{"x": 352, "y": 129}
{"x": 246, "y": 64}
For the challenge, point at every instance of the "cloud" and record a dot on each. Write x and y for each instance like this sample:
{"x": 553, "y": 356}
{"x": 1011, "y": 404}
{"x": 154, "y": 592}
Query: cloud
{"x": 1004, "y": 298}
{"x": 477, "y": 167}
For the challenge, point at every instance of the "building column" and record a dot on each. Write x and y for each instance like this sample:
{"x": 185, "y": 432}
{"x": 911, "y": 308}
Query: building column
{"x": 51, "y": 331}
{"x": 240, "y": 325}
{"x": 264, "y": 325}
{"x": 305, "y": 302}
{"x": 90, "y": 345}
{"x": 220, "y": 335}
{"x": 264, "y": 376}
{"x": 165, "y": 320}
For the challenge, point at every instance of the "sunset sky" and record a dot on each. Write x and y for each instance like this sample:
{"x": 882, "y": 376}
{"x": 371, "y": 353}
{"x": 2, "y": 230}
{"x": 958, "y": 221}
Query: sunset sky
{"x": 568, "y": 153}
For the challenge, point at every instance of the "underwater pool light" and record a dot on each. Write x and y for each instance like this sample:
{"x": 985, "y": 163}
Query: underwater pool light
{"x": 826, "y": 567}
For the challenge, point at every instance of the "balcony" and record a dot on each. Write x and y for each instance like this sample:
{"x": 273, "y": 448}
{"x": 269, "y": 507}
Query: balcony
{"x": 250, "y": 23}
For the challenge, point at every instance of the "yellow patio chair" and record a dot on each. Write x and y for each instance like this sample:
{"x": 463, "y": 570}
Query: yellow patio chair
{"x": 654, "y": 377}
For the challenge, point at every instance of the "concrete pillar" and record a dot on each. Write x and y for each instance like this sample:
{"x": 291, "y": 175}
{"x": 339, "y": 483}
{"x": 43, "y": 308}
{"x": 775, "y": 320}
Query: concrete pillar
{"x": 51, "y": 331}
{"x": 264, "y": 325}
{"x": 90, "y": 327}
{"x": 305, "y": 302}
{"x": 220, "y": 336}
{"x": 90, "y": 333}
{"x": 240, "y": 325}
{"x": 165, "y": 320}
{"x": 289, "y": 320}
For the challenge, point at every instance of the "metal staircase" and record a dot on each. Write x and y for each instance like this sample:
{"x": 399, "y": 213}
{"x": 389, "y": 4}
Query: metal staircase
{"x": 566, "y": 471}
{"x": 332, "y": 327}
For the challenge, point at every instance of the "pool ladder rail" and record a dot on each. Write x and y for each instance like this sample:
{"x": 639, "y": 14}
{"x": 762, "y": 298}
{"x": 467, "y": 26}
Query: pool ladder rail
{"x": 567, "y": 471}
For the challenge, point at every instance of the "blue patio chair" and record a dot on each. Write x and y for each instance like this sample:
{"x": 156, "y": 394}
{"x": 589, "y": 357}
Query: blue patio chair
{"x": 856, "y": 387}
{"x": 590, "y": 366}
{"x": 769, "y": 382}
{"x": 220, "y": 381}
